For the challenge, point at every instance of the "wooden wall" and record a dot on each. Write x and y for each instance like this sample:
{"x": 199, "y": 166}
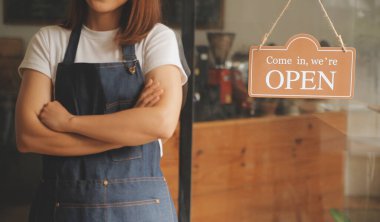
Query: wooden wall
{"x": 264, "y": 169}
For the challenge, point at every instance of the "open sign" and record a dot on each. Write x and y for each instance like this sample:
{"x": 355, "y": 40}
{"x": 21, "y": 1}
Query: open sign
{"x": 301, "y": 69}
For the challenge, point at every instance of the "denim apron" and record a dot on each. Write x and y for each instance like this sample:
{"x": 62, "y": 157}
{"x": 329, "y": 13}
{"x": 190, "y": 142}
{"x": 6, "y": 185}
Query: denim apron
{"x": 121, "y": 185}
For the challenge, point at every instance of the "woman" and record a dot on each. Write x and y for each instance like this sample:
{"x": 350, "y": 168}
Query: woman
{"x": 97, "y": 94}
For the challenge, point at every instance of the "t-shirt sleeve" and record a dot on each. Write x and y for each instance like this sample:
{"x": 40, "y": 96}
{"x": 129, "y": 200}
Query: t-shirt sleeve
{"x": 37, "y": 55}
{"x": 161, "y": 48}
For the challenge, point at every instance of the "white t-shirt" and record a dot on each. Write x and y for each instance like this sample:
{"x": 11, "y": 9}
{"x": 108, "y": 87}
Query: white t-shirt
{"x": 47, "y": 48}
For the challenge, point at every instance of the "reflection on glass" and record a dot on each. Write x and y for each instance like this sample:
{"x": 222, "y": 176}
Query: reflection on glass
{"x": 286, "y": 159}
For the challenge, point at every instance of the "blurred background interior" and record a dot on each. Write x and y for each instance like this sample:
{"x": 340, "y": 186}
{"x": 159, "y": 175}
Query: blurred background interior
{"x": 263, "y": 160}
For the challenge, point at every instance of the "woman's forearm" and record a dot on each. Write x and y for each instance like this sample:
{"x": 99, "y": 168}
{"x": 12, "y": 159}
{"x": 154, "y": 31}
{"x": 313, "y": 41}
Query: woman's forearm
{"x": 129, "y": 127}
{"x": 32, "y": 136}
{"x": 38, "y": 139}
{"x": 65, "y": 144}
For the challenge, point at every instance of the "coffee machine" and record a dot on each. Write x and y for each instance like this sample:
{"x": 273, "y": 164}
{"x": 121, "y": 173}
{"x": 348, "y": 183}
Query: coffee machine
{"x": 220, "y": 89}
{"x": 220, "y": 74}
{"x": 214, "y": 79}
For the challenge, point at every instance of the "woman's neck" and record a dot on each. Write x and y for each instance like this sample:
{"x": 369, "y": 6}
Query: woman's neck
{"x": 103, "y": 21}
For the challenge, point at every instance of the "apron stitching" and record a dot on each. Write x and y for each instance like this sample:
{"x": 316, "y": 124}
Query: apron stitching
{"x": 120, "y": 102}
{"x": 111, "y": 205}
{"x": 128, "y": 158}
{"x": 117, "y": 180}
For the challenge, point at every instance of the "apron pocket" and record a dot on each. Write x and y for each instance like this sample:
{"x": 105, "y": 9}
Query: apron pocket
{"x": 126, "y": 153}
{"x": 132, "y": 211}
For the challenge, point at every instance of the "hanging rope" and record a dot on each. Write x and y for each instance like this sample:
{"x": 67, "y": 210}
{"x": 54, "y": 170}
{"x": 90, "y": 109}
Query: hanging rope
{"x": 267, "y": 35}
{"x": 332, "y": 26}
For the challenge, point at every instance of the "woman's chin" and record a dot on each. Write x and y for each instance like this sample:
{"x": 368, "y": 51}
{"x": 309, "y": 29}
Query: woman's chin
{"x": 105, "y": 6}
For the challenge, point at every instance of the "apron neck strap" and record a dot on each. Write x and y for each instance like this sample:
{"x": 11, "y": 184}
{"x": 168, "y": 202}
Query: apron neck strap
{"x": 71, "y": 50}
{"x": 129, "y": 52}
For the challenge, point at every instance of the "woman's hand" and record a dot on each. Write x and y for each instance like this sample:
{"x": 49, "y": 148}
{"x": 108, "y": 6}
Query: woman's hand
{"x": 55, "y": 116}
{"x": 150, "y": 95}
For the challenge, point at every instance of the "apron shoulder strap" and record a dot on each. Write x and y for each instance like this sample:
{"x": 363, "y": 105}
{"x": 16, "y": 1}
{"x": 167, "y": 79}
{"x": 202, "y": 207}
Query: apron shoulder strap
{"x": 129, "y": 52}
{"x": 71, "y": 49}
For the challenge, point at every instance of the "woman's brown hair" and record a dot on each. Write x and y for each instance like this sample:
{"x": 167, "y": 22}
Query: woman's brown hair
{"x": 137, "y": 19}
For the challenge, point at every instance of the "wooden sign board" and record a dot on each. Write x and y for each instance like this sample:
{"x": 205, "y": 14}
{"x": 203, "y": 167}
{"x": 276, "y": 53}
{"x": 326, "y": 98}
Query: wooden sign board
{"x": 301, "y": 69}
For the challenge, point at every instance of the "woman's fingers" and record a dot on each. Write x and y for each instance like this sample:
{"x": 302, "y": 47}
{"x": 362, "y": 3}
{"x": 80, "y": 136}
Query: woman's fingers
{"x": 144, "y": 93}
{"x": 149, "y": 83}
{"x": 148, "y": 90}
{"x": 151, "y": 99}
{"x": 149, "y": 94}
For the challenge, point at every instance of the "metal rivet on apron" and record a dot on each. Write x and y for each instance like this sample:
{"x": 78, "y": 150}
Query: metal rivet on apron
{"x": 132, "y": 69}
{"x": 157, "y": 201}
{"x": 57, "y": 204}
{"x": 105, "y": 183}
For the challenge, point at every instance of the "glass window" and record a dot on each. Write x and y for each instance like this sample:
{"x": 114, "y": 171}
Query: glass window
{"x": 284, "y": 159}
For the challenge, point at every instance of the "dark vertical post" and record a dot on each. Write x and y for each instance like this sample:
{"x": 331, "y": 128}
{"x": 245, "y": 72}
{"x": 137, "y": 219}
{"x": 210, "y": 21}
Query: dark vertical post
{"x": 186, "y": 127}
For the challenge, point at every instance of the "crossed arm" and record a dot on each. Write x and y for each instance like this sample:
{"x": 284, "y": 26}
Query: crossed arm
{"x": 44, "y": 126}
